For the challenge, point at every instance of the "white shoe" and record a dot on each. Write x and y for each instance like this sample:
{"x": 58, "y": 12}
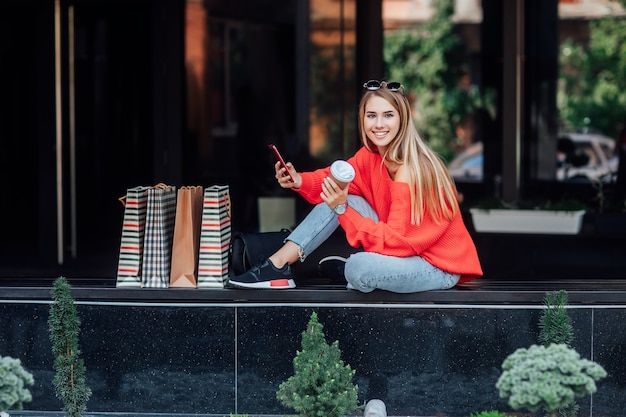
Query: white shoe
{"x": 333, "y": 267}
{"x": 375, "y": 408}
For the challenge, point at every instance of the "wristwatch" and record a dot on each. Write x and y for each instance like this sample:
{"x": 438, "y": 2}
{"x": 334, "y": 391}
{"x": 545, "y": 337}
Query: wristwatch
{"x": 340, "y": 208}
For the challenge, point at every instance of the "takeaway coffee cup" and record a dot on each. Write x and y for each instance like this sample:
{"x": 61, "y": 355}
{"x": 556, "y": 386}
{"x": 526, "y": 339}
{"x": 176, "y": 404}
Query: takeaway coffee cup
{"x": 342, "y": 173}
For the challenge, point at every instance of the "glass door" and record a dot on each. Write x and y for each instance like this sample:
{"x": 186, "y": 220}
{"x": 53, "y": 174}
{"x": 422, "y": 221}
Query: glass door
{"x": 27, "y": 137}
{"x": 109, "y": 125}
{"x": 76, "y": 133}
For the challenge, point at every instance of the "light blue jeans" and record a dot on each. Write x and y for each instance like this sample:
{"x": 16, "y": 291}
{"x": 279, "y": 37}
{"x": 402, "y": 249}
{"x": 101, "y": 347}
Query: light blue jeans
{"x": 367, "y": 271}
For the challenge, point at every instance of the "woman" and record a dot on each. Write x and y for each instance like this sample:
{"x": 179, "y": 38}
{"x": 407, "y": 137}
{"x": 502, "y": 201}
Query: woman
{"x": 401, "y": 208}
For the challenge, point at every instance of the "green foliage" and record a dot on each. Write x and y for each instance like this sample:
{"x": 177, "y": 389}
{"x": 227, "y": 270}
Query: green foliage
{"x": 547, "y": 377}
{"x": 489, "y": 414}
{"x": 555, "y": 324}
{"x": 428, "y": 60}
{"x": 556, "y": 327}
{"x": 321, "y": 385}
{"x": 592, "y": 81}
{"x": 13, "y": 381}
{"x": 417, "y": 58}
{"x": 570, "y": 411}
{"x": 64, "y": 327}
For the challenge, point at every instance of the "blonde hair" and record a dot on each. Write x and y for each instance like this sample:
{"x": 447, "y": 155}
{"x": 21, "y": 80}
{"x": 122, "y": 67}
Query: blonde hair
{"x": 432, "y": 188}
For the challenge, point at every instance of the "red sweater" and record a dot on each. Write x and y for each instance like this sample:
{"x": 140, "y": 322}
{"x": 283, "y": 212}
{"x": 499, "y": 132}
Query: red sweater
{"x": 446, "y": 245}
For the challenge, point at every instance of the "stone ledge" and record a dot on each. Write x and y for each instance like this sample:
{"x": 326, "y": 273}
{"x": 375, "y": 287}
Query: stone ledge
{"x": 479, "y": 292}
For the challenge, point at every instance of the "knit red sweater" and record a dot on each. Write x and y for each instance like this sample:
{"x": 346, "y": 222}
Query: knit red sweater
{"x": 446, "y": 245}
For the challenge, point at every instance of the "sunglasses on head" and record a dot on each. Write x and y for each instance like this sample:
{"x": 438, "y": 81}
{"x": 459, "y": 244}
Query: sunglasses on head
{"x": 376, "y": 85}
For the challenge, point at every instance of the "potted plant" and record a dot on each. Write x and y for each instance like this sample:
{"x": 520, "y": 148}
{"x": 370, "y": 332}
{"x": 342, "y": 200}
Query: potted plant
{"x": 562, "y": 217}
{"x": 548, "y": 378}
{"x": 13, "y": 381}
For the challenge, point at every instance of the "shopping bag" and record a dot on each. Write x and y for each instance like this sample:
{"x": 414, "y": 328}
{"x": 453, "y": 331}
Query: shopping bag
{"x": 186, "y": 243}
{"x": 131, "y": 245}
{"x": 215, "y": 237}
{"x": 158, "y": 236}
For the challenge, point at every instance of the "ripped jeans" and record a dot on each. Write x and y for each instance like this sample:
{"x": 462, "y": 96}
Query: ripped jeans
{"x": 367, "y": 271}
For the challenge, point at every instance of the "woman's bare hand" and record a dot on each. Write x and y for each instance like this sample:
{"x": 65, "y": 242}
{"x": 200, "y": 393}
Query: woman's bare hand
{"x": 333, "y": 195}
{"x": 283, "y": 178}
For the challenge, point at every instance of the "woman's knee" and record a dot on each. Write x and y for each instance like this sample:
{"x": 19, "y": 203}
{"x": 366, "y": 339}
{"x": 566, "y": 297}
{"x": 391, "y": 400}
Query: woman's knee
{"x": 362, "y": 207}
{"x": 357, "y": 276}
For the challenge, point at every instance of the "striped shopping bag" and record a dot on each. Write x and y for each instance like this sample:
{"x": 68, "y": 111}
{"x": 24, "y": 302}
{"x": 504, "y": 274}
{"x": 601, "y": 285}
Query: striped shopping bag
{"x": 214, "y": 238}
{"x": 157, "y": 242}
{"x": 131, "y": 246}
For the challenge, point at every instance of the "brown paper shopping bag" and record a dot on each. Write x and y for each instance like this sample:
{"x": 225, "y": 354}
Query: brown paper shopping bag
{"x": 186, "y": 244}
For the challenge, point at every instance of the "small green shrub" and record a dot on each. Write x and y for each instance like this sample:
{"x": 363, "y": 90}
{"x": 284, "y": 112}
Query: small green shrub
{"x": 13, "y": 381}
{"x": 555, "y": 324}
{"x": 321, "y": 385}
{"x": 547, "y": 377}
{"x": 489, "y": 414}
{"x": 64, "y": 328}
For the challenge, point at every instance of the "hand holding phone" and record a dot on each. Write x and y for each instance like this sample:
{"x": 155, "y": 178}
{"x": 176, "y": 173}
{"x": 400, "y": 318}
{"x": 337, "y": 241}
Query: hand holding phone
{"x": 282, "y": 161}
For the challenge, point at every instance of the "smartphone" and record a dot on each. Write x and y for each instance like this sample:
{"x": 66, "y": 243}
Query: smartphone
{"x": 282, "y": 161}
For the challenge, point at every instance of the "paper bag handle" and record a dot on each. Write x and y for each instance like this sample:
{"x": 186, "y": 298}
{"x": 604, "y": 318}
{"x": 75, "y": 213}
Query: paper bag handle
{"x": 160, "y": 185}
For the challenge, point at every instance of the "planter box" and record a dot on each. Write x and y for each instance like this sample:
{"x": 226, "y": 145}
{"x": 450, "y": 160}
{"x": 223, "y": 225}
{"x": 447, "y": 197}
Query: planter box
{"x": 527, "y": 221}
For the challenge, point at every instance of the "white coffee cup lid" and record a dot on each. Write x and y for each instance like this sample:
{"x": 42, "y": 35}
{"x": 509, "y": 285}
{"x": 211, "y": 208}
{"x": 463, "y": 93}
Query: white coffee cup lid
{"x": 342, "y": 171}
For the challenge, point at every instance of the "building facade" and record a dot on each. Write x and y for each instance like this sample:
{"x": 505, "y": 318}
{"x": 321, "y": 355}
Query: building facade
{"x": 104, "y": 95}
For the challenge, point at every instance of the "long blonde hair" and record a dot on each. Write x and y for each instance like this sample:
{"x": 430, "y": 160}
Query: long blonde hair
{"x": 432, "y": 188}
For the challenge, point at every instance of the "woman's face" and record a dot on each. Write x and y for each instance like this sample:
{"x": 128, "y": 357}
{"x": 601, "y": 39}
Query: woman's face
{"x": 381, "y": 122}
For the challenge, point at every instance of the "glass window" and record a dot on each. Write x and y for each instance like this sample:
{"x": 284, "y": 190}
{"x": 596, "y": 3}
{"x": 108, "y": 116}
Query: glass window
{"x": 434, "y": 50}
{"x": 332, "y": 113}
{"x": 592, "y": 82}
{"x": 240, "y": 97}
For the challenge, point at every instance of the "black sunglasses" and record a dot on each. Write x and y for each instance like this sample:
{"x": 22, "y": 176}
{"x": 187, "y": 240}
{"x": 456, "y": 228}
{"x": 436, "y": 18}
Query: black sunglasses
{"x": 376, "y": 85}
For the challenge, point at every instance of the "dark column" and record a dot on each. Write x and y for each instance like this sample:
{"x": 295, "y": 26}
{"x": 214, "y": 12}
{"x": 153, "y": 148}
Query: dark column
{"x": 168, "y": 82}
{"x": 369, "y": 41}
{"x": 540, "y": 88}
{"x": 491, "y": 76}
{"x": 512, "y": 99}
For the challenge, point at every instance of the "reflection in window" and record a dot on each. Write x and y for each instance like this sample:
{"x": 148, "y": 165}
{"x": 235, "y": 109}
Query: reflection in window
{"x": 592, "y": 81}
{"x": 239, "y": 60}
{"x": 332, "y": 112}
{"x": 585, "y": 156}
{"x": 434, "y": 50}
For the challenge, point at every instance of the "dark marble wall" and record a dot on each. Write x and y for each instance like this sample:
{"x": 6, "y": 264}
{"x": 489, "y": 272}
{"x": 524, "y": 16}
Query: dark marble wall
{"x": 208, "y": 359}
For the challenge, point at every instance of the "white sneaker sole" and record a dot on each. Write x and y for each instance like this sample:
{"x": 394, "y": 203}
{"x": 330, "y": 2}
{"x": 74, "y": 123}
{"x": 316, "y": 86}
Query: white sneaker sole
{"x": 276, "y": 284}
{"x": 333, "y": 258}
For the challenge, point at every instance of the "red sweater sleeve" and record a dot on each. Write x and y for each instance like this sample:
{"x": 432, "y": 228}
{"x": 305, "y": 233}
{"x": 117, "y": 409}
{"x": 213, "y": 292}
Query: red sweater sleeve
{"x": 311, "y": 186}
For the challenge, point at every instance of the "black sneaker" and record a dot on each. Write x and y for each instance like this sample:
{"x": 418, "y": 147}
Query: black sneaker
{"x": 333, "y": 267}
{"x": 265, "y": 276}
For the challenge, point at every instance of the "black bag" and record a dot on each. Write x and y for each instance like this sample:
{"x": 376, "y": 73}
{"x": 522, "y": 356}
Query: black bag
{"x": 250, "y": 249}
